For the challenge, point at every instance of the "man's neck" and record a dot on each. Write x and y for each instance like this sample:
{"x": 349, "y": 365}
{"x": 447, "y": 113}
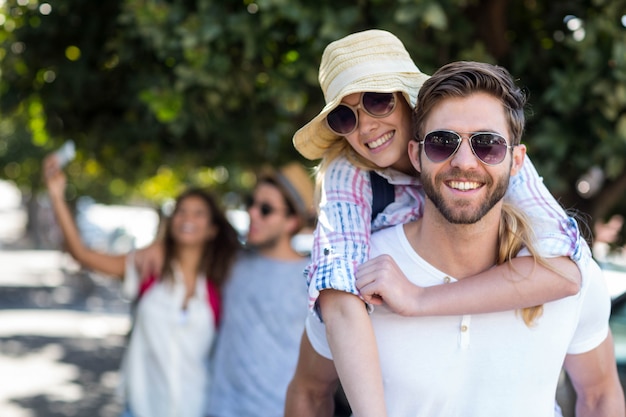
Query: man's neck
{"x": 460, "y": 250}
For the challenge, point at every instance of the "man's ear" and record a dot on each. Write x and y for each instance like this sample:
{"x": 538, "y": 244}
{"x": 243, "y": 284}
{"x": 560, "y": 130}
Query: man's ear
{"x": 293, "y": 224}
{"x": 414, "y": 155}
{"x": 519, "y": 154}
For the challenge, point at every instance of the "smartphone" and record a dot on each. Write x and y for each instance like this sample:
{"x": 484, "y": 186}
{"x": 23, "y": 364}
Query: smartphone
{"x": 66, "y": 153}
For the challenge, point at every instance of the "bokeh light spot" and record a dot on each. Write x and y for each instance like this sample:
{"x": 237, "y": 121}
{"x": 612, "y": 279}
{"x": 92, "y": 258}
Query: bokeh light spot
{"x": 72, "y": 53}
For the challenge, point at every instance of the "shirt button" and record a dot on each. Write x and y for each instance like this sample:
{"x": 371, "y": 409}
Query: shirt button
{"x": 326, "y": 251}
{"x": 446, "y": 280}
{"x": 464, "y": 328}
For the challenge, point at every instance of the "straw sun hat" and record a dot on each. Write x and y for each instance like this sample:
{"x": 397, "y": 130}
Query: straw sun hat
{"x": 373, "y": 60}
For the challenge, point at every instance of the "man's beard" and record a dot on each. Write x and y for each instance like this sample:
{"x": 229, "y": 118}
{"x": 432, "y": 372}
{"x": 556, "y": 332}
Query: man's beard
{"x": 454, "y": 211}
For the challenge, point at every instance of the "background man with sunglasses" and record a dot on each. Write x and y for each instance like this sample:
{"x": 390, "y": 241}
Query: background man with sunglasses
{"x": 469, "y": 121}
{"x": 264, "y": 301}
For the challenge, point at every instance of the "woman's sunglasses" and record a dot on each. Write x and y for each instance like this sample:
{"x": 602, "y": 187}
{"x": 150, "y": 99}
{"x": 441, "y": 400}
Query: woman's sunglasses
{"x": 344, "y": 118}
{"x": 489, "y": 147}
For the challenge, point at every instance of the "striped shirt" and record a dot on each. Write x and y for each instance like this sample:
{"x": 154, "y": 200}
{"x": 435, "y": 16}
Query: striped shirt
{"x": 342, "y": 236}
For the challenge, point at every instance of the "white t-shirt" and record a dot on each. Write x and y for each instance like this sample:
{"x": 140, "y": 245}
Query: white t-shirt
{"x": 481, "y": 365}
{"x": 165, "y": 367}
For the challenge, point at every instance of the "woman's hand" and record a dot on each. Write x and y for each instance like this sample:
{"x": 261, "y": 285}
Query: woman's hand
{"x": 380, "y": 280}
{"x": 53, "y": 176}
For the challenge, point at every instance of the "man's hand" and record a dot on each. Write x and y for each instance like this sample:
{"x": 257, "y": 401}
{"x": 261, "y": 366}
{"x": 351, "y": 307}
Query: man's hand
{"x": 380, "y": 280}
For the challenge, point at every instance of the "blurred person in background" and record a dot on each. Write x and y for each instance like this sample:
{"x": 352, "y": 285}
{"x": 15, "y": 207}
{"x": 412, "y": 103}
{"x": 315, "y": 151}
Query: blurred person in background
{"x": 264, "y": 301}
{"x": 606, "y": 235}
{"x": 165, "y": 366}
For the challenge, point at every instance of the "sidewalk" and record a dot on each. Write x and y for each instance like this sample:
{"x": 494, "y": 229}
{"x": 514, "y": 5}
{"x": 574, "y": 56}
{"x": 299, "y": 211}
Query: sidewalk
{"x": 62, "y": 335}
{"x": 62, "y": 331}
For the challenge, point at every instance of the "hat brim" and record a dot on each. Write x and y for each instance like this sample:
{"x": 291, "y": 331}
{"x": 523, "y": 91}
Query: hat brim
{"x": 313, "y": 139}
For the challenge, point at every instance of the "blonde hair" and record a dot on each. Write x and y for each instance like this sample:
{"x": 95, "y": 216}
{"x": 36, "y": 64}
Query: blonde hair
{"x": 462, "y": 78}
{"x": 514, "y": 234}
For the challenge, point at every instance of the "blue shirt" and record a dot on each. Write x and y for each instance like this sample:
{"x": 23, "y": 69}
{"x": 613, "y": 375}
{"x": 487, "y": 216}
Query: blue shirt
{"x": 264, "y": 310}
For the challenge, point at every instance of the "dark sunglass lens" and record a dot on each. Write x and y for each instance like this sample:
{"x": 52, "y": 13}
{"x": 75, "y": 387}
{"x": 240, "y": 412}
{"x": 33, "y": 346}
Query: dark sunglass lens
{"x": 439, "y": 146}
{"x": 379, "y": 104}
{"x": 341, "y": 120}
{"x": 266, "y": 209}
{"x": 489, "y": 147}
{"x": 249, "y": 201}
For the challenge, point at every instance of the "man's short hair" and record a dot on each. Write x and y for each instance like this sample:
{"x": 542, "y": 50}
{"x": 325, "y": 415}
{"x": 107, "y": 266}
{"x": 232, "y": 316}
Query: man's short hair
{"x": 462, "y": 78}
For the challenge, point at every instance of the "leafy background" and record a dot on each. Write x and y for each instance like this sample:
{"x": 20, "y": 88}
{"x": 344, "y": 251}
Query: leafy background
{"x": 161, "y": 94}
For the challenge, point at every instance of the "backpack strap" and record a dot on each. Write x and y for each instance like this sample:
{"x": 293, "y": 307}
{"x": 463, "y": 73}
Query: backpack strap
{"x": 383, "y": 193}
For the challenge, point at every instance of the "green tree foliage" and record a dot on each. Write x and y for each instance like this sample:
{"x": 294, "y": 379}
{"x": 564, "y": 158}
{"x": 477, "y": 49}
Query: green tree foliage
{"x": 156, "y": 93}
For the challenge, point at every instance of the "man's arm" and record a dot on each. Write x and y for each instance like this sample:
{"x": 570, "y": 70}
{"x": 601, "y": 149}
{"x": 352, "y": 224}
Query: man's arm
{"x": 149, "y": 260}
{"x": 310, "y": 392}
{"x": 595, "y": 379}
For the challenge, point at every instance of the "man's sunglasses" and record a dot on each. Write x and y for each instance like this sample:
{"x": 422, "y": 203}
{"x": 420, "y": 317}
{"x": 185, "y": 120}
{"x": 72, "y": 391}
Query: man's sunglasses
{"x": 489, "y": 147}
{"x": 264, "y": 208}
{"x": 344, "y": 118}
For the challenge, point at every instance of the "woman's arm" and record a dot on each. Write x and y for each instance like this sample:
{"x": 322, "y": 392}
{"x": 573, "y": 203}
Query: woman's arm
{"x": 341, "y": 243}
{"x": 55, "y": 180}
{"x": 355, "y": 352}
{"x": 342, "y": 232}
{"x": 519, "y": 283}
{"x": 556, "y": 233}
{"x": 516, "y": 284}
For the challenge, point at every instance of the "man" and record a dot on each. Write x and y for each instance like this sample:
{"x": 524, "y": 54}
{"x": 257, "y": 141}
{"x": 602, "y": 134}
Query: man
{"x": 469, "y": 122}
{"x": 264, "y": 301}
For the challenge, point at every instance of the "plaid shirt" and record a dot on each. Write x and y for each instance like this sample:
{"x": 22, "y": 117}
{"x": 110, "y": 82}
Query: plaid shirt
{"x": 342, "y": 235}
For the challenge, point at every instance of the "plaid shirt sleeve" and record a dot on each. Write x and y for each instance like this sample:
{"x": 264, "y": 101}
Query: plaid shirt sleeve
{"x": 556, "y": 233}
{"x": 342, "y": 236}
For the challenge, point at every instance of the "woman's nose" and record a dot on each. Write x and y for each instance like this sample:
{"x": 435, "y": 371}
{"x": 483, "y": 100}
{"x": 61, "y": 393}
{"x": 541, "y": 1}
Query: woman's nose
{"x": 366, "y": 122}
